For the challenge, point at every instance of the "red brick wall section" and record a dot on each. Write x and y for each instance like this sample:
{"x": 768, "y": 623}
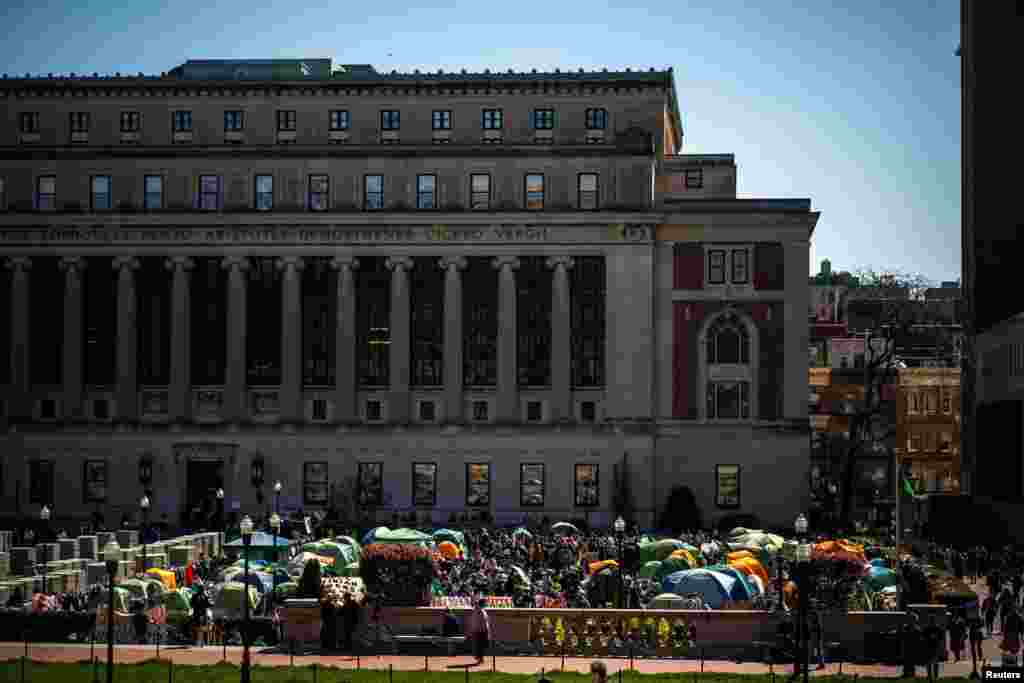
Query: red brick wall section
{"x": 686, "y": 318}
{"x": 688, "y": 266}
{"x": 769, "y": 266}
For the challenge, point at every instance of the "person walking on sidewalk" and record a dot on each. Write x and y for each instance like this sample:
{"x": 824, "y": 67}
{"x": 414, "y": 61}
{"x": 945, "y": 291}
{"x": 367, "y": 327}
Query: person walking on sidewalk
{"x": 480, "y": 630}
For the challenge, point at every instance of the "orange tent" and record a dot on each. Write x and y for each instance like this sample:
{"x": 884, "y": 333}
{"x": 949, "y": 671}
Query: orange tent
{"x": 749, "y": 565}
{"x": 595, "y": 567}
{"x": 449, "y": 550}
{"x": 739, "y": 555}
{"x": 840, "y": 550}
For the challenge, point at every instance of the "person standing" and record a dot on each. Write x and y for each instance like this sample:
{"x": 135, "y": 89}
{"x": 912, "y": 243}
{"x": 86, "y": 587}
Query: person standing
{"x": 957, "y": 635}
{"x": 976, "y": 636}
{"x": 480, "y": 630}
{"x": 988, "y": 609}
{"x": 817, "y": 641}
{"x": 349, "y": 620}
{"x": 1010, "y": 646}
{"x": 934, "y": 640}
{"x": 598, "y": 672}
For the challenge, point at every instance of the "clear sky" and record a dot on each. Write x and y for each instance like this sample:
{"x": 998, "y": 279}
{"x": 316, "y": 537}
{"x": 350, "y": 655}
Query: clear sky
{"x": 854, "y": 104}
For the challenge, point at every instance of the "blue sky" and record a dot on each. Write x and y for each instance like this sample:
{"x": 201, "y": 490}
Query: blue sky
{"x": 854, "y": 104}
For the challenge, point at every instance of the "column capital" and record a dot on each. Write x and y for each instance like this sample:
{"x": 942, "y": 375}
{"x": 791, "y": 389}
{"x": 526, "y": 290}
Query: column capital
{"x": 287, "y": 263}
{"x": 18, "y": 263}
{"x": 179, "y": 263}
{"x": 503, "y": 262}
{"x": 560, "y": 261}
{"x": 129, "y": 263}
{"x": 240, "y": 263}
{"x": 395, "y": 263}
{"x": 345, "y": 262}
{"x": 70, "y": 263}
{"x": 452, "y": 262}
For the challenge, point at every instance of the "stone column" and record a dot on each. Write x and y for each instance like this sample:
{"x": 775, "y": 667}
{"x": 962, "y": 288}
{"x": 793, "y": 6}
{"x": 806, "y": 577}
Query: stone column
{"x": 72, "y": 370}
{"x": 561, "y": 336}
{"x": 291, "y": 343}
{"x": 127, "y": 339}
{"x": 508, "y": 404}
{"x": 453, "y": 267}
{"x": 21, "y": 405}
{"x": 398, "y": 360}
{"x": 795, "y": 332}
{"x": 235, "y": 403}
{"x": 345, "y": 340}
{"x": 179, "y": 392}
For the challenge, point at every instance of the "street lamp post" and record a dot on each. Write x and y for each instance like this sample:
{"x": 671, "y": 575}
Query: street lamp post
{"x": 277, "y": 497}
{"x": 144, "y": 504}
{"x": 620, "y": 527}
{"x": 246, "y": 528}
{"x": 802, "y": 576}
{"x": 220, "y": 521}
{"x": 112, "y": 554}
{"x": 44, "y": 515}
{"x": 275, "y": 526}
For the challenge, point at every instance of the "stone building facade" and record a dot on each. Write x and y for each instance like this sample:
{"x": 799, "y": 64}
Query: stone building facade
{"x": 445, "y": 293}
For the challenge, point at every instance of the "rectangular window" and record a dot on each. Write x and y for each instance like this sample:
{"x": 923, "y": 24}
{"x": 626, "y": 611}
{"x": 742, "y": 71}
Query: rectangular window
{"x": 374, "y": 411}
{"x": 480, "y": 411}
{"x": 587, "y": 191}
{"x": 94, "y": 481}
{"x": 728, "y": 400}
{"x": 441, "y": 119}
{"x": 79, "y": 122}
{"x": 716, "y": 266}
{"x": 426, "y": 197}
{"x": 371, "y": 483}
{"x": 209, "y": 192}
{"x": 534, "y": 192}
{"x": 28, "y": 122}
{"x": 285, "y": 120}
{"x": 534, "y": 411}
{"x": 46, "y": 192}
{"x": 340, "y": 119}
{"x": 131, "y": 122}
{"x": 727, "y": 486}
{"x": 597, "y": 119}
{"x": 390, "y": 119}
{"x": 154, "y": 191}
{"x": 315, "y": 484}
{"x": 586, "y": 485}
{"x": 3, "y": 195}
{"x": 40, "y": 482}
{"x": 424, "y": 484}
{"x": 587, "y": 288}
{"x": 373, "y": 198}
{"x": 694, "y": 178}
{"x": 428, "y": 412}
{"x": 478, "y": 484}
{"x": 264, "y": 192}
{"x": 492, "y": 119}
{"x": 480, "y": 191}
{"x": 182, "y": 121}
{"x": 740, "y": 271}
{"x": 543, "y": 119}
{"x": 233, "y": 121}
{"x": 101, "y": 193}
{"x": 947, "y": 401}
{"x": 531, "y": 484}
{"x": 588, "y": 412}
{"x": 318, "y": 192}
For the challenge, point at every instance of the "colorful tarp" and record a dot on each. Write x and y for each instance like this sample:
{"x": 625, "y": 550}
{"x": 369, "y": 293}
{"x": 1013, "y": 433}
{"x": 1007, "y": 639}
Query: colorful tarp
{"x": 713, "y": 587}
{"x": 165, "y": 577}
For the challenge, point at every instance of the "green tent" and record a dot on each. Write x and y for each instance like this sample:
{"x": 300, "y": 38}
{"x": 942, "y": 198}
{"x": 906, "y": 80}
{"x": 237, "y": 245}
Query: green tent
{"x": 649, "y": 570}
{"x": 287, "y": 588}
{"x": 671, "y": 565}
{"x": 659, "y": 550}
{"x": 231, "y": 596}
{"x": 403, "y": 536}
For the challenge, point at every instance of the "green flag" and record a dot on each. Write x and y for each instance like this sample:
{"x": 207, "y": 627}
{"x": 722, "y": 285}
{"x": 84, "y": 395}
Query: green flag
{"x": 908, "y": 488}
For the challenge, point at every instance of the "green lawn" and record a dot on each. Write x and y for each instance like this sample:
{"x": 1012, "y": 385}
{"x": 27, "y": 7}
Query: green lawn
{"x": 161, "y": 672}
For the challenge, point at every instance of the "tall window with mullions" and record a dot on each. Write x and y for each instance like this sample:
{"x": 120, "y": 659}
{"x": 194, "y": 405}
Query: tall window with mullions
{"x": 373, "y": 322}
{"x": 587, "y": 296}
{"x": 533, "y": 324}
{"x": 426, "y": 289}
{"x": 318, "y": 327}
{"x": 208, "y": 302}
{"x": 480, "y": 323}
{"x": 153, "y": 311}
{"x": 263, "y": 323}
{"x": 6, "y": 277}
{"x": 46, "y": 320}
{"x": 99, "y": 322}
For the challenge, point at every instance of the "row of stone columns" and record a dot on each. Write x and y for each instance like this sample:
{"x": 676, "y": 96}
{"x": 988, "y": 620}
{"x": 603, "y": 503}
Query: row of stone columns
{"x": 235, "y": 407}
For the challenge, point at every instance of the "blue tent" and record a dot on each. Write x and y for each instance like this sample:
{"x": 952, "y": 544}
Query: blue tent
{"x": 260, "y": 539}
{"x": 713, "y": 587}
{"x": 879, "y": 562}
{"x": 371, "y": 536}
{"x": 743, "y": 589}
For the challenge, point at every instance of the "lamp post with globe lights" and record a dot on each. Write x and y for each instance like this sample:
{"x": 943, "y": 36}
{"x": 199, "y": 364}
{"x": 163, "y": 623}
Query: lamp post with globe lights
{"x": 620, "y": 528}
{"x": 275, "y": 526}
{"x": 112, "y": 555}
{"x": 220, "y": 519}
{"x": 44, "y": 515}
{"x": 246, "y": 528}
{"x": 802, "y": 575}
{"x": 144, "y": 504}
{"x": 277, "y": 497}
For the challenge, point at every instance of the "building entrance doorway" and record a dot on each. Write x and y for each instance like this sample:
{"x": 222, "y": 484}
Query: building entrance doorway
{"x": 202, "y": 509}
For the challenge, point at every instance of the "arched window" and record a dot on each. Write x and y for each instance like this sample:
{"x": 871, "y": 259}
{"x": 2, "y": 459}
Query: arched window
{"x": 728, "y": 371}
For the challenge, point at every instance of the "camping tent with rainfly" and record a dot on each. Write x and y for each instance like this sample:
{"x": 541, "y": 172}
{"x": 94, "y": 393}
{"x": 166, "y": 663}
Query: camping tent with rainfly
{"x": 649, "y": 570}
{"x": 672, "y": 565}
{"x": 659, "y": 550}
{"x": 740, "y": 591}
{"x": 714, "y": 588}
{"x": 402, "y": 536}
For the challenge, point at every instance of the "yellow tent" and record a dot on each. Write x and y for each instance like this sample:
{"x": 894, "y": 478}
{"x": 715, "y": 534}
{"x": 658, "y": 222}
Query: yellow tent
{"x": 165, "y": 577}
{"x": 595, "y": 567}
{"x": 684, "y": 554}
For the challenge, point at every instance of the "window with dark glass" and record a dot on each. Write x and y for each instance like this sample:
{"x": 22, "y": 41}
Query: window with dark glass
{"x": 373, "y": 319}
{"x": 131, "y": 121}
{"x": 263, "y": 313}
{"x": 99, "y": 322}
{"x": 28, "y": 121}
{"x": 319, "y": 306}
{"x": 285, "y": 121}
{"x": 728, "y": 400}
{"x": 543, "y": 119}
{"x": 340, "y": 119}
{"x": 587, "y": 304}
{"x": 181, "y": 121}
{"x": 478, "y": 484}
{"x": 373, "y": 199}
{"x": 208, "y": 303}
{"x": 79, "y": 121}
{"x": 694, "y": 178}
{"x": 716, "y": 266}
{"x": 586, "y": 484}
{"x": 40, "y": 482}
{"x": 480, "y": 316}
{"x": 424, "y": 484}
{"x": 588, "y": 411}
{"x": 534, "y": 411}
{"x": 153, "y": 321}
{"x": 480, "y": 191}
{"x": 597, "y": 119}
{"x": 374, "y": 410}
{"x": 740, "y": 272}
{"x": 533, "y": 324}
{"x": 428, "y": 411}
{"x": 390, "y": 119}
{"x": 100, "y": 196}
{"x": 94, "y": 481}
{"x": 315, "y": 483}
{"x": 426, "y": 195}
{"x": 441, "y": 119}
{"x": 209, "y": 192}
{"x": 6, "y": 280}
{"x": 46, "y": 320}
{"x": 531, "y": 484}
{"x": 535, "y": 192}
{"x": 3, "y": 195}
{"x": 46, "y": 192}
{"x": 264, "y": 192}
{"x": 318, "y": 192}
{"x": 492, "y": 119}
{"x": 727, "y": 343}
{"x": 371, "y": 483}
{"x": 426, "y": 312}
{"x": 154, "y": 192}
{"x": 587, "y": 191}
{"x": 233, "y": 121}
{"x": 481, "y": 410}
